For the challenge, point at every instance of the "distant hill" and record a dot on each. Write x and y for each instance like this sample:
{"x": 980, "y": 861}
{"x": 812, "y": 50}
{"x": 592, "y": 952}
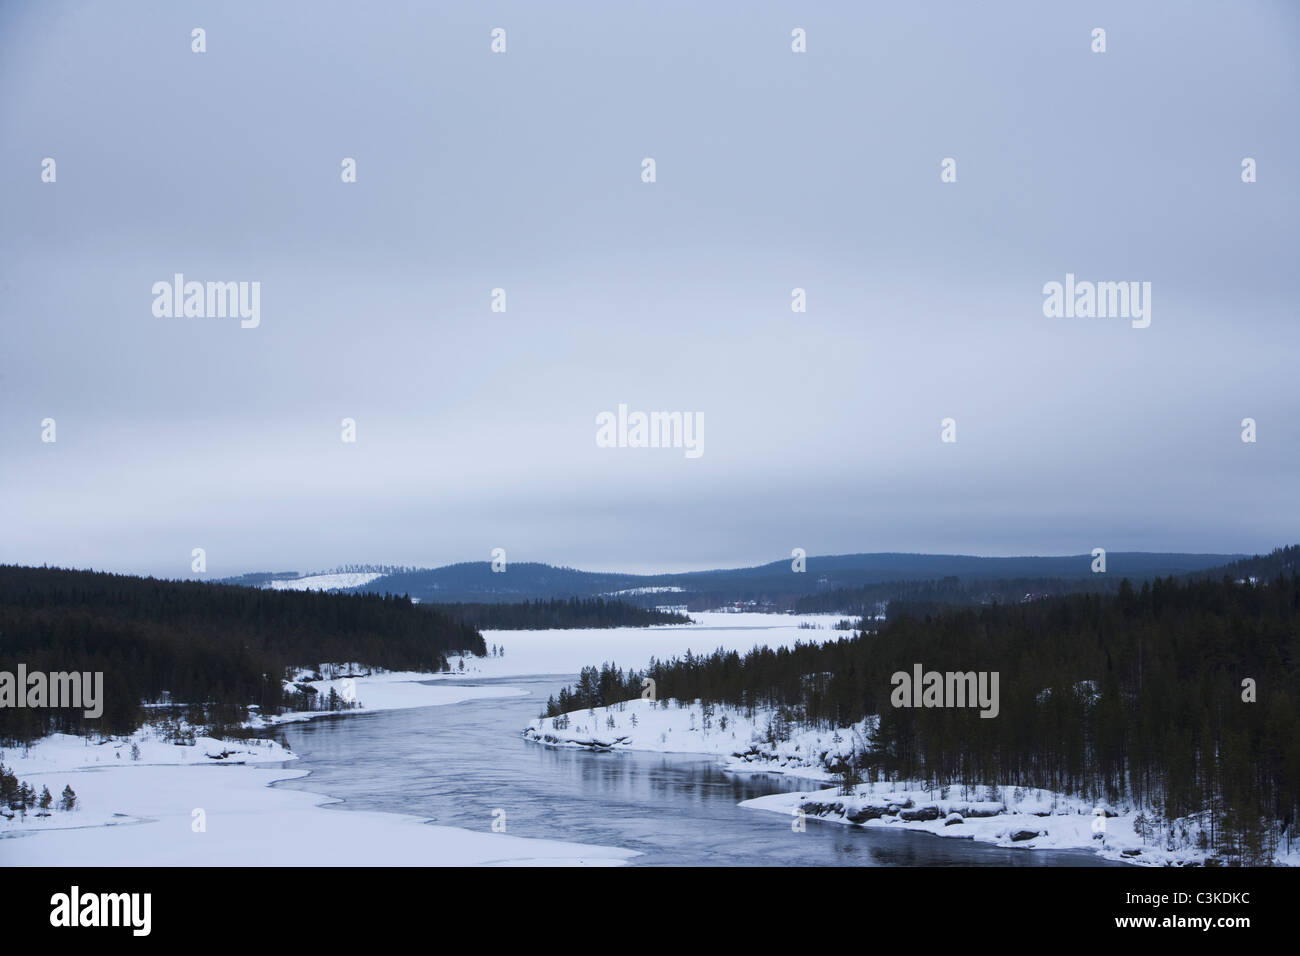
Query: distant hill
{"x": 1279, "y": 561}
{"x": 775, "y": 586}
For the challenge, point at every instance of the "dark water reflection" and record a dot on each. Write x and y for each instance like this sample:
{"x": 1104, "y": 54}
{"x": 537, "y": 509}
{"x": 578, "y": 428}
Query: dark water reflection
{"x": 455, "y": 765}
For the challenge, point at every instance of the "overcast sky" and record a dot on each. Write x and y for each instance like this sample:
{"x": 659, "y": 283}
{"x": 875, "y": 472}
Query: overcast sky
{"x": 523, "y": 171}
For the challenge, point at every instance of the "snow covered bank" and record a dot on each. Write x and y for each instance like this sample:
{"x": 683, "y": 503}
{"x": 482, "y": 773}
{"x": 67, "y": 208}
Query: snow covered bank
{"x": 1011, "y": 817}
{"x": 366, "y": 690}
{"x": 753, "y": 742}
{"x": 66, "y": 760}
{"x": 143, "y": 800}
{"x": 669, "y": 726}
{"x": 1004, "y": 816}
{"x": 245, "y": 822}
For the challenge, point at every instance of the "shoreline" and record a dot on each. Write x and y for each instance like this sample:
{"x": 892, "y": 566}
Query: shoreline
{"x": 161, "y": 809}
{"x": 743, "y": 742}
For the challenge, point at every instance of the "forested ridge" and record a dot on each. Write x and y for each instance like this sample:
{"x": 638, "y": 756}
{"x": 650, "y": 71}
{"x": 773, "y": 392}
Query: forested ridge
{"x": 771, "y": 586}
{"x": 557, "y": 613}
{"x": 951, "y": 590}
{"x": 930, "y": 595}
{"x": 1137, "y": 695}
{"x": 218, "y": 647}
{"x": 1261, "y": 567}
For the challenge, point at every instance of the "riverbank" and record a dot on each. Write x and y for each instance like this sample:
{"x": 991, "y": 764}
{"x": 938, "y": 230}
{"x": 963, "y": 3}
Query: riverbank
{"x": 755, "y": 742}
{"x": 367, "y": 690}
{"x": 1024, "y": 818}
{"x": 143, "y": 800}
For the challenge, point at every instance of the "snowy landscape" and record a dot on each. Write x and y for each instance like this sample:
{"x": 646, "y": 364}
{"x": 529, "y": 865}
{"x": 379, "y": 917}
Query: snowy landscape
{"x": 168, "y": 794}
{"x": 97, "y": 795}
{"x": 356, "y": 508}
{"x": 137, "y": 795}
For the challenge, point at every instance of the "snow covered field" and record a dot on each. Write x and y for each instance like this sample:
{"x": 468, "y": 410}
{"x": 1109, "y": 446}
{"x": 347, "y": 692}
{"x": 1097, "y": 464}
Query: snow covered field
{"x": 324, "y": 582}
{"x": 568, "y": 651}
{"x": 211, "y": 804}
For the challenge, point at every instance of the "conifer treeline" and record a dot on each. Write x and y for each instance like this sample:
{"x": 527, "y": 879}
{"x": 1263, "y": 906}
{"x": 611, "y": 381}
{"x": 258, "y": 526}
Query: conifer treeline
{"x": 948, "y": 591}
{"x": 219, "y": 646}
{"x": 557, "y": 613}
{"x": 1137, "y": 695}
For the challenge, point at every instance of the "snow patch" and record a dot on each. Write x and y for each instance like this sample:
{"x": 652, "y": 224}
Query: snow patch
{"x": 324, "y": 582}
